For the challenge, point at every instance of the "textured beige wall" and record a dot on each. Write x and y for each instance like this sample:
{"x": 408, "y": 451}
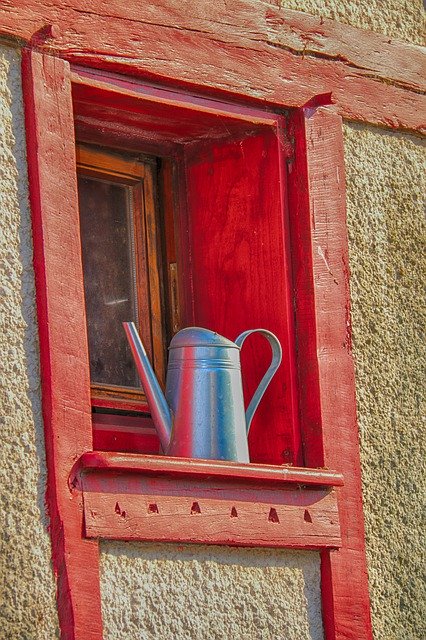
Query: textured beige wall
{"x": 399, "y": 19}
{"x": 191, "y": 592}
{"x": 385, "y": 186}
{"x": 27, "y": 595}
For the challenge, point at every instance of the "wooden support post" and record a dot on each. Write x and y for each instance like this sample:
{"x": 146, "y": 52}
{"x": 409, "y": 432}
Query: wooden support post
{"x": 326, "y": 372}
{"x": 63, "y": 346}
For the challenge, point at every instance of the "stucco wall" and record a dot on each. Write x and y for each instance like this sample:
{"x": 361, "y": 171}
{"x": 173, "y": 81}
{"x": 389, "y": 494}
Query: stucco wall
{"x": 399, "y": 19}
{"x": 190, "y": 592}
{"x": 27, "y": 592}
{"x": 385, "y": 187}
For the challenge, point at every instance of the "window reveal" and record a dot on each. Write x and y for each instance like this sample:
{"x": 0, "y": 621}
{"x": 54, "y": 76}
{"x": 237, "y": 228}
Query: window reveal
{"x": 223, "y": 190}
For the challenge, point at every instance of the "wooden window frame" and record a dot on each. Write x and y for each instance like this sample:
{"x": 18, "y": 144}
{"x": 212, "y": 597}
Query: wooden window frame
{"x": 139, "y": 174}
{"x": 325, "y": 367}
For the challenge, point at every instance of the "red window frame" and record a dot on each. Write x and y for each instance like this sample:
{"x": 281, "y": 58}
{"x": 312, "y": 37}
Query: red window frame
{"x": 317, "y": 235}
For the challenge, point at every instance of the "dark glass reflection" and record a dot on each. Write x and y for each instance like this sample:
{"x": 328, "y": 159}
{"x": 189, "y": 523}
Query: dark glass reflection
{"x": 109, "y": 281}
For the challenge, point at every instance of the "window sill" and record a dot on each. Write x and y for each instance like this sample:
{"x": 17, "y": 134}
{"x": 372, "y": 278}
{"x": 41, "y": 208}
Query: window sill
{"x": 159, "y": 498}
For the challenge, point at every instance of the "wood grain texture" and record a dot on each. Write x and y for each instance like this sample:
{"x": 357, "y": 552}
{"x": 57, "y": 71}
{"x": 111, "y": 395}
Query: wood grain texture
{"x": 253, "y": 49}
{"x": 63, "y": 345}
{"x": 207, "y": 469}
{"x": 240, "y": 261}
{"x": 210, "y": 510}
{"x": 326, "y": 372}
{"x": 168, "y": 116}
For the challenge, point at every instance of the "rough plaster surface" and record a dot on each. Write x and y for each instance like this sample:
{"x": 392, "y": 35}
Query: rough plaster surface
{"x": 399, "y": 19}
{"x": 385, "y": 186}
{"x": 27, "y": 592}
{"x": 194, "y": 592}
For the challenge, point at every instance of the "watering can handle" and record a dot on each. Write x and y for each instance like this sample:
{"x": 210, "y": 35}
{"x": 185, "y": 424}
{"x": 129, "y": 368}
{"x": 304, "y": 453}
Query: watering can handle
{"x": 275, "y": 363}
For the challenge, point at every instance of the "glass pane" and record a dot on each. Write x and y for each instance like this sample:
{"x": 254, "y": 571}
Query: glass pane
{"x": 109, "y": 278}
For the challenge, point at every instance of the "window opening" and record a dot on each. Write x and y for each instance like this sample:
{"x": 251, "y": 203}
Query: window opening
{"x": 221, "y": 173}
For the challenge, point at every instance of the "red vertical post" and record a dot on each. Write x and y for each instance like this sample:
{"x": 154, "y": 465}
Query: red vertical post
{"x": 62, "y": 330}
{"x": 317, "y": 209}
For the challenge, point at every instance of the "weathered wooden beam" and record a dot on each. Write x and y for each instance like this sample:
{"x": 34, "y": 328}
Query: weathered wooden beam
{"x": 255, "y": 49}
{"x": 62, "y": 327}
{"x": 220, "y": 469}
{"x": 326, "y": 372}
{"x": 158, "y": 498}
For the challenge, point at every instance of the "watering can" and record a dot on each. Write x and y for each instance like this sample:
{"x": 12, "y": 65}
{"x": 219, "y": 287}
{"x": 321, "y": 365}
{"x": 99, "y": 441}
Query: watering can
{"x": 202, "y": 414}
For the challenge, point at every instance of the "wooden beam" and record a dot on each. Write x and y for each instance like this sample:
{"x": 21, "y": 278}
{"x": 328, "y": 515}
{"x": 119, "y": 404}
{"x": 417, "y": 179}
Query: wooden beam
{"x": 285, "y": 519}
{"x": 158, "y": 498}
{"x": 63, "y": 345}
{"x": 92, "y": 86}
{"x": 220, "y": 469}
{"x": 326, "y": 373}
{"x": 276, "y": 56}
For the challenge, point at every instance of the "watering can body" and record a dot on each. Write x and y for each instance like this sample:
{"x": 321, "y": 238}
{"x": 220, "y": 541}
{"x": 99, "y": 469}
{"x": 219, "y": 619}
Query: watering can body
{"x": 202, "y": 414}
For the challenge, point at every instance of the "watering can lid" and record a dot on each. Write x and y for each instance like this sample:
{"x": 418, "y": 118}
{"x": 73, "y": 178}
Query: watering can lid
{"x": 199, "y": 337}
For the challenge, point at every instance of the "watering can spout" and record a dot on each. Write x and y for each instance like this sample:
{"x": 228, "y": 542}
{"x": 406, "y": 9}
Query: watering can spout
{"x": 160, "y": 411}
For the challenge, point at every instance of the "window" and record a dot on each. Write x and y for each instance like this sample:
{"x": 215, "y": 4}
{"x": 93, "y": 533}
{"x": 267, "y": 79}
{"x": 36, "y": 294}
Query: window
{"x": 215, "y": 233}
{"x": 124, "y": 255}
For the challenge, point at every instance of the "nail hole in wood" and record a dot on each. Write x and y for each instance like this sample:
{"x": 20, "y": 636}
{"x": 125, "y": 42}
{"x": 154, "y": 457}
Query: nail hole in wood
{"x": 152, "y": 508}
{"x": 195, "y": 508}
{"x": 273, "y": 515}
{"x": 234, "y": 513}
{"x": 307, "y": 516}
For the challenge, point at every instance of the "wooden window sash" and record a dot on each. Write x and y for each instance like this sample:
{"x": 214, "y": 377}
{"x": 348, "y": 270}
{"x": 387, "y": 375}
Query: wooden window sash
{"x": 139, "y": 175}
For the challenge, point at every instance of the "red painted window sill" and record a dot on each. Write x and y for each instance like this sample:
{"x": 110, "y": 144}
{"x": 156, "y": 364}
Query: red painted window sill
{"x": 159, "y": 498}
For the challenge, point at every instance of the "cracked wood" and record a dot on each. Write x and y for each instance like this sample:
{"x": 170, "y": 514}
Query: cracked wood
{"x": 151, "y": 507}
{"x": 62, "y": 330}
{"x": 255, "y": 49}
{"x": 326, "y": 372}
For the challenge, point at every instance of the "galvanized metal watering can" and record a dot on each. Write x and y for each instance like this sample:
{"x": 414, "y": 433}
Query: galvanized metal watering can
{"x": 202, "y": 414}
